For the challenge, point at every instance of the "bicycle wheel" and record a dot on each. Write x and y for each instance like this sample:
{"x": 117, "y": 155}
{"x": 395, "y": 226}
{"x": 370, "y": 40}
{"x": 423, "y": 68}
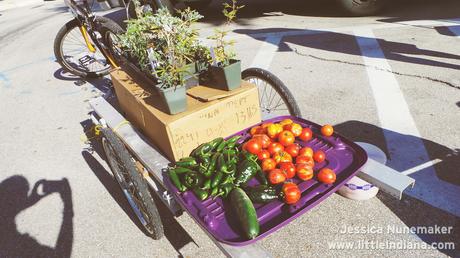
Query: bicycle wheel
{"x": 199, "y": 5}
{"x": 111, "y": 42}
{"x": 132, "y": 184}
{"x": 275, "y": 98}
{"x": 73, "y": 55}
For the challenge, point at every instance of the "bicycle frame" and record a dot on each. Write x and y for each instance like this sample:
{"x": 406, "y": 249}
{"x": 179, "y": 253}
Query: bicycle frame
{"x": 88, "y": 28}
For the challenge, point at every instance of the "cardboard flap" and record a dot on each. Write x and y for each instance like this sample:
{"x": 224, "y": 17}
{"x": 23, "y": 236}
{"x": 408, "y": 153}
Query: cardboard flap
{"x": 204, "y": 93}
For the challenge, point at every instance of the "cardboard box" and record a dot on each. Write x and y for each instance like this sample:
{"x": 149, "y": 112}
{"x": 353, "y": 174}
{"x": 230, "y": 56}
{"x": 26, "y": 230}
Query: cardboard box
{"x": 210, "y": 114}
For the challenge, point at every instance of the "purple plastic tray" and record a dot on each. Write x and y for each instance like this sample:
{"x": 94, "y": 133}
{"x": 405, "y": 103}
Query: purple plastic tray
{"x": 217, "y": 218}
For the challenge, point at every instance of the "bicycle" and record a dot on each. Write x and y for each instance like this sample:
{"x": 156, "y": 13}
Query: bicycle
{"x": 81, "y": 45}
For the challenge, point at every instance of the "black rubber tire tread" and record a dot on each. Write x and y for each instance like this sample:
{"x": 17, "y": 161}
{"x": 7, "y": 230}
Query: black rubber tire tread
{"x": 58, "y": 54}
{"x": 278, "y": 85}
{"x": 199, "y": 5}
{"x": 156, "y": 226}
{"x": 110, "y": 26}
{"x": 361, "y": 8}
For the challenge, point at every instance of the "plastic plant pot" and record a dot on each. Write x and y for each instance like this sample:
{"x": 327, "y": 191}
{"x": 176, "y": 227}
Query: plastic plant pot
{"x": 227, "y": 77}
{"x": 191, "y": 77}
{"x": 175, "y": 99}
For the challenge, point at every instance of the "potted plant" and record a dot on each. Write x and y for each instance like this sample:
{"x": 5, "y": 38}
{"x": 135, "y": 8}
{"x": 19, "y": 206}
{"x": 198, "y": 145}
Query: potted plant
{"x": 163, "y": 46}
{"x": 225, "y": 70}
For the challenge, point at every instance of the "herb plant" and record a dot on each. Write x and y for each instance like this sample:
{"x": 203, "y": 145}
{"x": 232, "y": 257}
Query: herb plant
{"x": 222, "y": 54}
{"x": 163, "y": 44}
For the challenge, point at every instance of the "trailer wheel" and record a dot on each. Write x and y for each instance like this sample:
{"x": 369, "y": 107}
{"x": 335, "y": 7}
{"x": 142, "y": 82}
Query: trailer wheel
{"x": 361, "y": 7}
{"x": 274, "y": 97}
{"x": 132, "y": 183}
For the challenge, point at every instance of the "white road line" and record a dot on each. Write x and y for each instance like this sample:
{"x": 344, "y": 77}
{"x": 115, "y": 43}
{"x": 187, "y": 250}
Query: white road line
{"x": 421, "y": 167}
{"x": 401, "y": 134}
{"x": 267, "y": 51}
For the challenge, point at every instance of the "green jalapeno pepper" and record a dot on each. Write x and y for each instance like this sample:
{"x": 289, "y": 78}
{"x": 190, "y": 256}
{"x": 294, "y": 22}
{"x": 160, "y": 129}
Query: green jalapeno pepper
{"x": 188, "y": 162}
{"x": 192, "y": 179}
{"x": 176, "y": 181}
{"x": 214, "y": 191}
{"x": 221, "y": 146}
{"x": 181, "y": 170}
{"x": 228, "y": 179}
{"x": 212, "y": 165}
{"x": 207, "y": 184}
{"x": 201, "y": 194}
{"x": 224, "y": 190}
{"x": 261, "y": 177}
{"x": 261, "y": 193}
{"x": 232, "y": 141}
{"x": 215, "y": 143}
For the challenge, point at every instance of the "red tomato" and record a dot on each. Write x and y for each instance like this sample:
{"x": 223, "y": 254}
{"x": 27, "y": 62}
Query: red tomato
{"x": 294, "y": 128}
{"x": 268, "y": 164}
{"x": 275, "y": 147}
{"x": 253, "y": 146}
{"x": 288, "y": 168}
{"x": 327, "y": 130}
{"x": 286, "y": 138}
{"x": 282, "y": 156}
{"x": 291, "y": 193}
{"x": 288, "y": 185}
{"x": 319, "y": 156}
{"x": 326, "y": 176}
{"x": 263, "y": 154}
{"x": 265, "y": 125}
{"x": 274, "y": 130}
{"x": 256, "y": 130}
{"x": 293, "y": 150}
{"x": 263, "y": 139}
{"x": 304, "y": 171}
{"x": 286, "y": 122}
{"x": 305, "y": 160}
{"x": 276, "y": 176}
{"x": 306, "y": 134}
{"x": 306, "y": 151}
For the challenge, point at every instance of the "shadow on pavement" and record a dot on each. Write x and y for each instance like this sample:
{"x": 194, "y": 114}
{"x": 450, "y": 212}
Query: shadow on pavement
{"x": 103, "y": 84}
{"x": 174, "y": 232}
{"x": 413, "y": 211}
{"x": 14, "y": 199}
{"x": 347, "y": 44}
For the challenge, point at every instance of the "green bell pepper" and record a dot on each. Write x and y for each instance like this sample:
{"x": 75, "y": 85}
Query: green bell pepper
{"x": 246, "y": 170}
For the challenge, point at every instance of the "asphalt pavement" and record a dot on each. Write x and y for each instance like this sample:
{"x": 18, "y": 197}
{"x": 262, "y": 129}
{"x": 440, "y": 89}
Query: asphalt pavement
{"x": 391, "y": 80}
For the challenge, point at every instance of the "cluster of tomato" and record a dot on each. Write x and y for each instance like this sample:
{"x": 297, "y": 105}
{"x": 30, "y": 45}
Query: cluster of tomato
{"x": 282, "y": 159}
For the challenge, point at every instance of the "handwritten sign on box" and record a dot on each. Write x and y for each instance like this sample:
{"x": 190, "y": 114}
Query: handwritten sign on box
{"x": 222, "y": 119}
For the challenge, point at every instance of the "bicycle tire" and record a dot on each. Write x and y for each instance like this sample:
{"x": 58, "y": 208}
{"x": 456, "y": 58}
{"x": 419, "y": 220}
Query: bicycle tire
{"x": 116, "y": 151}
{"x": 361, "y": 7}
{"x": 107, "y": 28}
{"x": 58, "y": 51}
{"x": 199, "y": 5}
{"x": 277, "y": 85}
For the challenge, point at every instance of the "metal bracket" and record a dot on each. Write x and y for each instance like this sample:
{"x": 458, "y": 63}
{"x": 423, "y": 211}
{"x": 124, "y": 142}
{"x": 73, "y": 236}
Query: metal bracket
{"x": 385, "y": 178}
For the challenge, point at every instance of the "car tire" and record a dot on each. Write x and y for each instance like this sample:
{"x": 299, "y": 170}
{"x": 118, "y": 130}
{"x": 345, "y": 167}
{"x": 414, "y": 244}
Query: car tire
{"x": 361, "y": 7}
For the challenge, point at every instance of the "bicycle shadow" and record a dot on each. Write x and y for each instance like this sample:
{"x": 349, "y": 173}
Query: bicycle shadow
{"x": 415, "y": 209}
{"x": 15, "y": 198}
{"x": 173, "y": 231}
